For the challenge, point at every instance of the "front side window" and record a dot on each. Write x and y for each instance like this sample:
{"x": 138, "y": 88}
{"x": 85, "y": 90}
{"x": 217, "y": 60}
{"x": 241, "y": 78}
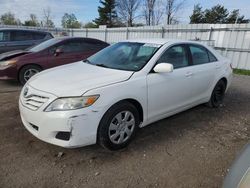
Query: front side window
{"x": 199, "y": 55}
{"x": 176, "y": 55}
{"x": 4, "y": 36}
{"x": 69, "y": 47}
{"x": 130, "y": 56}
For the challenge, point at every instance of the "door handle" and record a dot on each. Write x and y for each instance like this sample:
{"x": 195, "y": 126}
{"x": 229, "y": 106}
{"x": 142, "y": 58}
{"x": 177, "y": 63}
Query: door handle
{"x": 189, "y": 74}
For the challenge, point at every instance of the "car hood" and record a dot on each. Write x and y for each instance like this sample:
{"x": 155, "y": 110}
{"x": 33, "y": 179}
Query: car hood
{"x": 76, "y": 79}
{"x": 12, "y": 54}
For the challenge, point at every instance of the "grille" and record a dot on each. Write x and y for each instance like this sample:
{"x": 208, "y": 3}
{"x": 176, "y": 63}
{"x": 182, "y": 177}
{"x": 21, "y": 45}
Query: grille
{"x": 34, "y": 102}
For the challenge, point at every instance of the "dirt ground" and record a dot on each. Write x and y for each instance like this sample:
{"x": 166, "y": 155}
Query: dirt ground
{"x": 193, "y": 149}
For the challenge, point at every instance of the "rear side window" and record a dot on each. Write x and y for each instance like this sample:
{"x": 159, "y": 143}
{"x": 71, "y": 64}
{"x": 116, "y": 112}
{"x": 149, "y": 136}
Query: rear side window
{"x": 212, "y": 58}
{"x": 38, "y": 36}
{"x": 93, "y": 45}
{"x": 199, "y": 55}
{"x": 4, "y": 36}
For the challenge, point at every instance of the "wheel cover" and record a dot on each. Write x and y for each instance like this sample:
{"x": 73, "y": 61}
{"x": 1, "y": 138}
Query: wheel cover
{"x": 121, "y": 127}
{"x": 29, "y": 73}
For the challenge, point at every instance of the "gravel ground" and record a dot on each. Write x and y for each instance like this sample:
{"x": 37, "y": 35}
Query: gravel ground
{"x": 192, "y": 149}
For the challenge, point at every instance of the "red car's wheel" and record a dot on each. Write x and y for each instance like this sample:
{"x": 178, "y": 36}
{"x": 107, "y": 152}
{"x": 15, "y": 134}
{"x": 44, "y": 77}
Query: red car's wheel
{"x": 27, "y": 72}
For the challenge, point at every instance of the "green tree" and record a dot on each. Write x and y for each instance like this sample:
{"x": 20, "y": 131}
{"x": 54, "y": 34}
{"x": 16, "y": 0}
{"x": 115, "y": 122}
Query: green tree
{"x": 9, "y": 19}
{"x": 235, "y": 15}
{"x": 217, "y": 14}
{"x": 32, "y": 21}
{"x": 90, "y": 25}
{"x": 198, "y": 15}
{"x": 70, "y": 21}
{"x": 107, "y": 13}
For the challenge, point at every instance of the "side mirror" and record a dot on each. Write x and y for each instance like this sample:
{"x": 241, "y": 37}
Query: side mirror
{"x": 58, "y": 51}
{"x": 164, "y": 68}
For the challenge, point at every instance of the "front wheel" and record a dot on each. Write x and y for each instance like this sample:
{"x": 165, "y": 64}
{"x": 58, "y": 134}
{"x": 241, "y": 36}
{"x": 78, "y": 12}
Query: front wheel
{"x": 118, "y": 126}
{"x": 218, "y": 94}
{"x": 27, "y": 72}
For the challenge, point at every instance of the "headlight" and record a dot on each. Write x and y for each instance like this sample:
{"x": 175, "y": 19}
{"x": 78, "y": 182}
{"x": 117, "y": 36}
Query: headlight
{"x": 73, "y": 103}
{"x": 5, "y": 64}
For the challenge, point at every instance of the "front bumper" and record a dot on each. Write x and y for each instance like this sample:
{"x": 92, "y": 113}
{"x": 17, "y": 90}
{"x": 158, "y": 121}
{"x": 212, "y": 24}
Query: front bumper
{"x": 81, "y": 124}
{"x": 9, "y": 73}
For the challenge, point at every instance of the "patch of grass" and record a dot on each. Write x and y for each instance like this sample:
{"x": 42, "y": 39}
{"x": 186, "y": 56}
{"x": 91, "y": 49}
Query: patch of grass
{"x": 242, "y": 72}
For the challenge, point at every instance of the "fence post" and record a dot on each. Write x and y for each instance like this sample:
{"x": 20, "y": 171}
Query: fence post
{"x": 162, "y": 32}
{"x": 105, "y": 32}
{"x": 210, "y": 33}
{"x": 86, "y": 32}
{"x": 127, "y": 31}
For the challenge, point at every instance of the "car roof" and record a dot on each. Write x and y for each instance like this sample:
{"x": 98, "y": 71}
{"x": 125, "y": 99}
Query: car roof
{"x": 17, "y": 29}
{"x": 159, "y": 41}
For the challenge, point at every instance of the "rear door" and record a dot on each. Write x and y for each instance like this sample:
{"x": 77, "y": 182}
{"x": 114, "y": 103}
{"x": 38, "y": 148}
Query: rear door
{"x": 203, "y": 71}
{"x": 4, "y": 40}
{"x": 71, "y": 51}
{"x": 21, "y": 40}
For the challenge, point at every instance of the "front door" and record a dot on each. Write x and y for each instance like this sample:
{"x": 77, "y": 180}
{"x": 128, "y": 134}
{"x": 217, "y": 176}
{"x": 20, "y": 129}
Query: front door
{"x": 168, "y": 92}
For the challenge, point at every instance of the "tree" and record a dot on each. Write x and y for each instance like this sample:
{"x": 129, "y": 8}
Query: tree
{"x": 198, "y": 15}
{"x": 235, "y": 17}
{"x": 70, "y": 21}
{"x": 173, "y": 6}
{"x": 32, "y": 22}
{"x": 90, "y": 25}
{"x": 127, "y": 10}
{"x": 9, "y": 19}
{"x": 47, "y": 22}
{"x": 217, "y": 14}
{"x": 148, "y": 11}
{"x": 107, "y": 13}
{"x": 158, "y": 12}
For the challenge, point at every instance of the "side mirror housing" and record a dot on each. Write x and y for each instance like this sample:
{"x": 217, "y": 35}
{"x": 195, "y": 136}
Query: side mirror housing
{"x": 164, "y": 68}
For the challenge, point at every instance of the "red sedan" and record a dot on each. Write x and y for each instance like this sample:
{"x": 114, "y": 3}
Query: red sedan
{"x": 22, "y": 65}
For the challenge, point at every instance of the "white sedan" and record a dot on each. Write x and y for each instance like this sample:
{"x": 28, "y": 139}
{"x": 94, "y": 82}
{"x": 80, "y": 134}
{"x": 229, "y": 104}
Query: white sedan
{"x": 107, "y": 97}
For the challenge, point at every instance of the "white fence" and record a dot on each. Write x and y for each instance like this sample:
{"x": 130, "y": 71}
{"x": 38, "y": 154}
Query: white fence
{"x": 232, "y": 41}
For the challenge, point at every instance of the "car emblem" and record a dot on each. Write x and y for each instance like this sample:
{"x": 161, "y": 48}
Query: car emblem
{"x": 25, "y": 92}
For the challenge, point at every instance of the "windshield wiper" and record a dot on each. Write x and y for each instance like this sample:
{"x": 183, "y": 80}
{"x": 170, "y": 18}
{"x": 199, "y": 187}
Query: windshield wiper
{"x": 87, "y": 61}
{"x": 102, "y": 65}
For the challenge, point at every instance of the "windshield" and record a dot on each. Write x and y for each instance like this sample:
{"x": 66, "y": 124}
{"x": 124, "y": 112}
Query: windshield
{"x": 130, "y": 56}
{"x": 45, "y": 45}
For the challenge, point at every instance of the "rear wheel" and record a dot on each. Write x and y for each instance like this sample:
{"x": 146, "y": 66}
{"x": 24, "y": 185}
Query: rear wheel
{"x": 218, "y": 94}
{"x": 27, "y": 72}
{"x": 118, "y": 126}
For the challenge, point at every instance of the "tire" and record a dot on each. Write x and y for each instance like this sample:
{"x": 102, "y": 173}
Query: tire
{"x": 120, "y": 121}
{"x": 27, "y": 72}
{"x": 218, "y": 94}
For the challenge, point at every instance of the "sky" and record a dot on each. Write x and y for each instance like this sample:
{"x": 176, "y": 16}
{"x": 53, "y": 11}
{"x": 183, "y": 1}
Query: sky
{"x": 86, "y": 10}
